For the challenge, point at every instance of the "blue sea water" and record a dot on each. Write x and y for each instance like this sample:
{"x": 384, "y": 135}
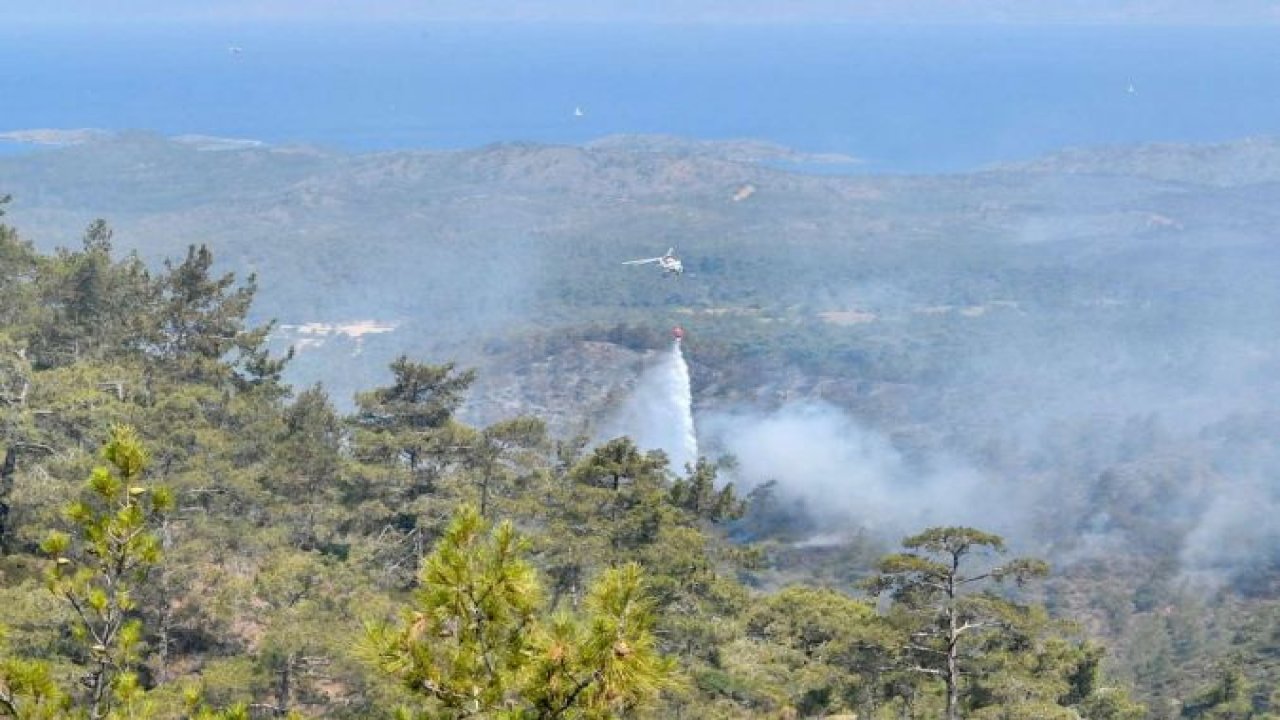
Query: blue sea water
{"x": 901, "y": 98}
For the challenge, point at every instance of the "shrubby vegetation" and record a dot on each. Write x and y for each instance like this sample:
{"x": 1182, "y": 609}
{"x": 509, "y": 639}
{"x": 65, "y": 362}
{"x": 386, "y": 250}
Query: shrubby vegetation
{"x": 242, "y": 550}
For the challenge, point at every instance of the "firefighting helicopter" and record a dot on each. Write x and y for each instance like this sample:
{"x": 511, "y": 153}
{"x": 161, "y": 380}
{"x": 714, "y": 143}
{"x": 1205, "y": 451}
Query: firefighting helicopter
{"x": 669, "y": 263}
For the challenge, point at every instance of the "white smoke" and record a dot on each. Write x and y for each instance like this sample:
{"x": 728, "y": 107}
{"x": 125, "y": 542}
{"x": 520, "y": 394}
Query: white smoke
{"x": 849, "y": 477}
{"x": 659, "y": 412}
{"x": 1236, "y": 531}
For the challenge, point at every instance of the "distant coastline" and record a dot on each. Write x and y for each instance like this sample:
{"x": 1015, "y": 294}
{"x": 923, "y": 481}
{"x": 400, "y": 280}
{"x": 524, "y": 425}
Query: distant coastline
{"x": 53, "y": 136}
{"x": 743, "y": 150}
{"x": 56, "y": 137}
{"x": 1238, "y": 161}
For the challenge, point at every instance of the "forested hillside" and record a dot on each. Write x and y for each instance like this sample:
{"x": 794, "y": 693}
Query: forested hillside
{"x": 1071, "y": 358}
{"x": 186, "y": 536}
{"x": 1149, "y": 267}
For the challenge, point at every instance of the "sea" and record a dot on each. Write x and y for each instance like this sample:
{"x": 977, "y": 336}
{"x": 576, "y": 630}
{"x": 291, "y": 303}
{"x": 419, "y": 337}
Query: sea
{"x": 899, "y": 99}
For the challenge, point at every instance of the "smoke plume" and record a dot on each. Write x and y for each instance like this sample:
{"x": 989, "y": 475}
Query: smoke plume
{"x": 849, "y": 477}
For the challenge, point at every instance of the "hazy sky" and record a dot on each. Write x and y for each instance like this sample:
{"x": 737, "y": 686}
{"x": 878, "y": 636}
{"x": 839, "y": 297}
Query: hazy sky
{"x": 941, "y": 11}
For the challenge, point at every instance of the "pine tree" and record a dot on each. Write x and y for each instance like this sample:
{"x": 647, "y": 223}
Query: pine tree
{"x": 937, "y": 592}
{"x": 1228, "y": 697}
{"x": 697, "y": 493}
{"x": 604, "y": 665}
{"x": 408, "y": 423}
{"x": 96, "y": 305}
{"x": 99, "y": 569}
{"x": 198, "y": 324}
{"x": 469, "y": 633}
{"x": 476, "y": 643}
{"x": 504, "y": 453}
{"x": 19, "y": 267}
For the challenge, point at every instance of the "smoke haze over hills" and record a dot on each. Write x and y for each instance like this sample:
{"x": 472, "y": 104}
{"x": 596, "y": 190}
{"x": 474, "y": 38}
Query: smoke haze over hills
{"x": 1075, "y": 351}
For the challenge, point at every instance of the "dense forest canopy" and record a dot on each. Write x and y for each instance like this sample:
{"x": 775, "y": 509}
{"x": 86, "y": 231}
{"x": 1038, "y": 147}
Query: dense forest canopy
{"x": 185, "y": 534}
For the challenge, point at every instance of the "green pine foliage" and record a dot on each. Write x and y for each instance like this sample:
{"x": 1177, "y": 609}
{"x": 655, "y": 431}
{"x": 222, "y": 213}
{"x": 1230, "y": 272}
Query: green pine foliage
{"x": 28, "y": 689}
{"x": 99, "y": 569}
{"x": 993, "y": 656}
{"x": 479, "y": 643}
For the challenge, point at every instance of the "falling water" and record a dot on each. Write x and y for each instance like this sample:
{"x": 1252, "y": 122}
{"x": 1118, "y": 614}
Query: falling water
{"x": 682, "y": 398}
{"x": 659, "y": 413}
